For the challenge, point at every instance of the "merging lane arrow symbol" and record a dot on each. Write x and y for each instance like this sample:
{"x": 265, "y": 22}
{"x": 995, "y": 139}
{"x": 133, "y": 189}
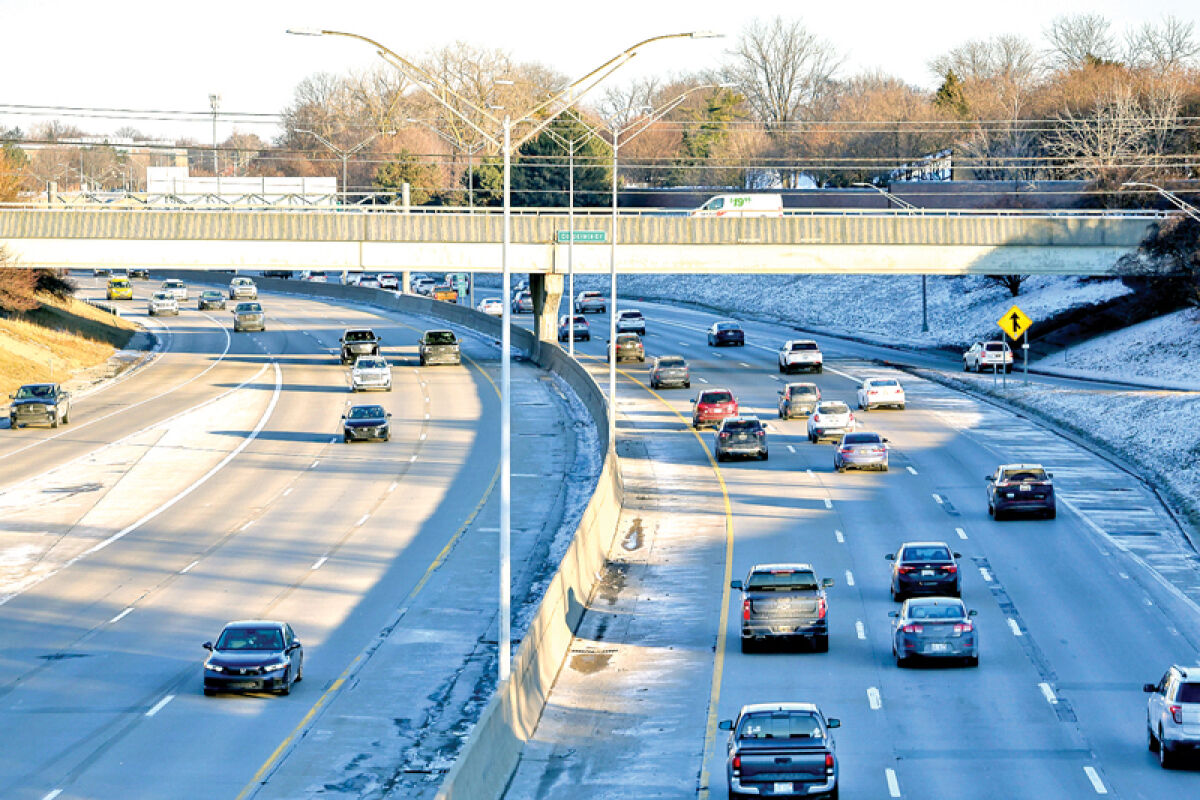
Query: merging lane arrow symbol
{"x": 1016, "y": 323}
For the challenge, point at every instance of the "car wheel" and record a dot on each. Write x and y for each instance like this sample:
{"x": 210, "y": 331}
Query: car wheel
{"x": 764, "y": 455}
{"x": 1052, "y": 513}
{"x": 67, "y": 417}
{"x": 346, "y": 438}
{"x": 1152, "y": 740}
{"x": 901, "y": 661}
{"x": 884, "y": 467}
{"x": 901, "y": 406}
{"x": 387, "y": 437}
{"x": 897, "y": 597}
{"x": 821, "y": 643}
{"x": 966, "y": 368}
{"x": 687, "y": 385}
{"x": 1166, "y": 756}
{"x": 209, "y": 692}
{"x": 720, "y": 457}
{"x": 820, "y": 370}
{"x": 286, "y": 689}
{"x": 748, "y": 646}
{"x": 54, "y": 420}
{"x": 972, "y": 661}
{"x": 839, "y": 468}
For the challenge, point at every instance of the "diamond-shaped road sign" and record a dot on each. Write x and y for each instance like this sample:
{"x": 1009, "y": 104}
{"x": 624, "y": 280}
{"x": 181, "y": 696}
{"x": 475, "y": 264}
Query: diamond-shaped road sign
{"x": 1014, "y": 322}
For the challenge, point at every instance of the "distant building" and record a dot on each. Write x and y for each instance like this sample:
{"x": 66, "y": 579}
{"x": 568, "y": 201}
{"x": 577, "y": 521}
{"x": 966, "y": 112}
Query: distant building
{"x": 937, "y": 166}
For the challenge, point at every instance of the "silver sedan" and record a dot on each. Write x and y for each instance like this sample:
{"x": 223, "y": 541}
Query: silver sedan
{"x": 934, "y": 627}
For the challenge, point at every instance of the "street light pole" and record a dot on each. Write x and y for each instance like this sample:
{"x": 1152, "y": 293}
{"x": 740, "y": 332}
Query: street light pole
{"x": 214, "y": 100}
{"x": 612, "y": 302}
{"x": 1175, "y": 200}
{"x": 505, "y": 643}
{"x": 344, "y": 154}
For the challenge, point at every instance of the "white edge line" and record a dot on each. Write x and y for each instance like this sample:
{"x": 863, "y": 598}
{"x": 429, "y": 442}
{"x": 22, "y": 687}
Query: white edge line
{"x": 121, "y": 534}
{"x": 828, "y": 503}
{"x": 1094, "y": 777}
{"x": 189, "y": 567}
{"x": 160, "y": 705}
{"x": 52, "y": 795}
{"x": 320, "y": 562}
{"x": 892, "y": 782}
{"x": 122, "y": 615}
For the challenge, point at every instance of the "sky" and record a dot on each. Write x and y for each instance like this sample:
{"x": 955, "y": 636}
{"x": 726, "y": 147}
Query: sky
{"x": 141, "y": 54}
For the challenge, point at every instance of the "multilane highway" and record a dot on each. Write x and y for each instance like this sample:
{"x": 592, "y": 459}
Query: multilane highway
{"x": 1071, "y": 626}
{"x": 212, "y": 484}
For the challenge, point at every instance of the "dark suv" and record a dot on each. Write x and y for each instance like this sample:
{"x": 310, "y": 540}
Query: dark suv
{"x": 925, "y": 568}
{"x": 359, "y": 342}
{"x": 439, "y": 347}
{"x": 629, "y": 347}
{"x": 1020, "y": 488}
{"x": 741, "y": 436}
{"x": 39, "y": 403}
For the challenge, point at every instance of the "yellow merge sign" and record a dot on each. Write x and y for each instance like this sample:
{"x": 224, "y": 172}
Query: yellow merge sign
{"x": 1014, "y": 322}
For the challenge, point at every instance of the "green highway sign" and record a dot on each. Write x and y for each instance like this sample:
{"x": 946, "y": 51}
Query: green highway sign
{"x": 583, "y": 236}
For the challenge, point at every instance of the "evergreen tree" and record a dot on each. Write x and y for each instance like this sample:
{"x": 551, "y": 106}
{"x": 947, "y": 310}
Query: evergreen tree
{"x": 950, "y": 96}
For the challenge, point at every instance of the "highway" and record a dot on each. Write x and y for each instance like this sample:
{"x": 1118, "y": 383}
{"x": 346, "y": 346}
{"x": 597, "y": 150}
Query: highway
{"x": 1071, "y": 623}
{"x": 212, "y": 484}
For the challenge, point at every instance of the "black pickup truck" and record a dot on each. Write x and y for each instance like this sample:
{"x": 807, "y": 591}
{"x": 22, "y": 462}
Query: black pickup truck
{"x": 359, "y": 342}
{"x": 37, "y": 403}
{"x": 439, "y": 347}
{"x": 782, "y": 602}
{"x": 781, "y": 750}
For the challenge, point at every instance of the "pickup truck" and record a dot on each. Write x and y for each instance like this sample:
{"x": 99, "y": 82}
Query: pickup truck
{"x": 358, "y": 342}
{"x": 782, "y": 602}
{"x": 439, "y": 347}
{"x": 781, "y": 750}
{"x": 37, "y": 403}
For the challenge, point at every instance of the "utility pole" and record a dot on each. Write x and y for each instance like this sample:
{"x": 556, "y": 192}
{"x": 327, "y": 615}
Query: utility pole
{"x": 214, "y": 100}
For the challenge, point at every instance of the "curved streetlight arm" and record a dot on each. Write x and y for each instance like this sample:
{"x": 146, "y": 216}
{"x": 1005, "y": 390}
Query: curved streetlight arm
{"x": 447, "y": 138}
{"x": 1174, "y": 199}
{"x": 904, "y": 204}
{"x": 666, "y": 108}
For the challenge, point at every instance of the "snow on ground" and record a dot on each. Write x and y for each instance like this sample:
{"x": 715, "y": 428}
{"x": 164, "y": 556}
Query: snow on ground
{"x": 1166, "y": 348}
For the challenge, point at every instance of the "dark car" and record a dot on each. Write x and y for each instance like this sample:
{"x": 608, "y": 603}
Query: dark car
{"x": 38, "y": 403}
{"x": 781, "y": 750}
{"x": 861, "y": 451}
{"x": 138, "y": 272}
{"x": 1021, "y": 489}
{"x": 713, "y": 405}
{"x": 365, "y": 423}
{"x": 670, "y": 371}
{"x": 784, "y": 602}
{"x": 254, "y": 656}
{"x": 925, "y": 568}
{"x": 210, "y": 299}
{"x": 439, "y": 347}
{"x": 798, "y": 400}
{"x": 741, "y": 436}
{"x": 249, "y": 317}
{"x": 523, "y": 303}
{"x": 726, "y": 333}
{"x": 358, "y": 342}
{"x": 583, "y": 331}
{"x": 629, "y": 347}
{"x": 934, "y": 627}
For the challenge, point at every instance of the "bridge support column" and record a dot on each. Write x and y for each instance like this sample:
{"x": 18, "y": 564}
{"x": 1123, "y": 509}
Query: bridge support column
{"x": 406, "y": 281}
{"x": 546, "y": 289}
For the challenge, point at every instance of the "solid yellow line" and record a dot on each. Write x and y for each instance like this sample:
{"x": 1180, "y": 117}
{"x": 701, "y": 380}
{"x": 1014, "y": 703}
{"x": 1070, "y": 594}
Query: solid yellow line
{"x": 438, "y": 560}
{"x": 714, "y": 694}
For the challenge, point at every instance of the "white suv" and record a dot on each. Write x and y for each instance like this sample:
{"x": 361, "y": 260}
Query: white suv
{"x": 1173, "y": 714}
{"x": 371, "y": 372}
{"x": 992, "y": 356}
{"x": 800, "y": 354}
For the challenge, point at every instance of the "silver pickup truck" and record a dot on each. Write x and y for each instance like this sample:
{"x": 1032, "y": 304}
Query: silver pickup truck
{"x": 781, "y": 750}
{"x": 784, "y": 602}
{"x": 439, "y": 347}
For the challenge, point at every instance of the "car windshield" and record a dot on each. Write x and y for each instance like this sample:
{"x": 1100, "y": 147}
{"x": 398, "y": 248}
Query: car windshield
{"x": 250, "y": 639}
{"x": 119, "y": 284}
{"x": 439, "y": 337}
{"x": 926, "y": 553}
{"x": 1188, "y": 693}
{"x": 780, "y": 725}
{"x": 716, "y": 397}
{"x": 803, "y": 346}
{"x": 861, "y": 438}
{"x": 370, "y": 363}
{"x": 34, "y": 392}
{"x": 834, "y": 408}
{"x": 172, "y": 284}
{"x": 162, "y": 296}
{"x": 211, "y": 295}
{"x": 365, "y": 412}
{"x": 740, "y": 425}
{"x": 802, "y": 390}
{"x": 1024, "y": 474}
{"x": 359, "y": 336}
{"x": 249, "y": 308}
{"x": 938, "y": 611}
{"x": 782, "y": 580}
{"x": 671, "y": 363}
{"x": 241, "y": 281}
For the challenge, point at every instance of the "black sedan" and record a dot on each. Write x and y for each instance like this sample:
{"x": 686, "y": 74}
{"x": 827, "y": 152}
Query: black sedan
{"x": 925, "y": 568}
{"x": 721, "y": 334}
{"x": 254, "y": 656}
{"x": 209, "y": 300}
{"x": 365, "y": 423}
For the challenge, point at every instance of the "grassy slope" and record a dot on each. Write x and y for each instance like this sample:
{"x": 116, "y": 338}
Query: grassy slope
{"x": 68, "y": 333}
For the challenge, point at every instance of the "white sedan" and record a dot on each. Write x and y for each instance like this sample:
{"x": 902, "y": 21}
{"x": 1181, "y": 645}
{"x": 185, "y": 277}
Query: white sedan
{"x": 491, "y": 306}
{"x": 877, "y": 392}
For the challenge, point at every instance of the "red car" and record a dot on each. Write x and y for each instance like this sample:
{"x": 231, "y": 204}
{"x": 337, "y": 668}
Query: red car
{"x": 713, "y": 405}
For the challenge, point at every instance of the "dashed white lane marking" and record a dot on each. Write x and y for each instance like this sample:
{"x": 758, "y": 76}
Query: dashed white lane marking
{"x": 157, "y": 707}
{"x": 775, "y": 378}
{"x": 52, "y": 795}
{"x": 861, "y": 630}
{"x": 702, "y": 380}
{"x": 393, "y": 487}
{"x": 426, "y": 399}
{"x": 247, "y": 525}
{"x": 121, "y": 616}
{"x": 841, "y": 537}
{"x": 937, "y": 498}
{"x": 320, "y": 562}
{"x": 188, "y": 568}
{"x": 961, "y": 533}
{"x": 287, "y": 491}
{"x": 873, "y": 698}
{"x": 717, "y": 355}
{"x": 828, "y": 503}
{"x": 809, "y": 471}
{"x": 1123, "y": 575}
{"x": 910, "y": 469}
{"x": 892, "y": 782}
{"x": 983, "y": 573}
{"x": 791, "y": 449}
{"x": 426, "y": 415}
{"x": 332, "y": 439}
{"x": 362, "y": 519}
{"x": 684, "y": 344}
{"x": 1014, "y": 627}
{"x": 314, "y": 464}
{"x": 1094, "y": 777}
{"x": 412, "y": 459}
{"x": 1146, "y": 599}
{"x": 744, "y": 364}
{"x": 1048, "y": 693}
{"x": 849, "y": 578}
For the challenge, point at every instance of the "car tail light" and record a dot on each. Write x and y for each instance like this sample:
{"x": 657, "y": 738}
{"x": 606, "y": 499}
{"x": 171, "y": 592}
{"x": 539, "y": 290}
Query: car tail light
{"x": 852, "y": 416}
{"x": 745, "y": 609}
{"x": 913, "y": 627}
{"x": 816, "y": 417}
{"x": 872, "y": 392}
{"x": 724, "y": 435}
{"x": 949, "y": 568}
{"x": 846, "y": 451}
{"x": 760, "y": 433}
{"x": 737, "y": 763}
{"x": 905, "y": 570}
{"x": 964, "y": 627}
{"x": 829, "y": 762}
{"x": 1176, "y": 714}
{"x": 821, "y": 608}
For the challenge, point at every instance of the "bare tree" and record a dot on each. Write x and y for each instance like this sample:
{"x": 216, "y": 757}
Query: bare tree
{"x": 1163, "y": 47}
{"x": 1075, "y": 39}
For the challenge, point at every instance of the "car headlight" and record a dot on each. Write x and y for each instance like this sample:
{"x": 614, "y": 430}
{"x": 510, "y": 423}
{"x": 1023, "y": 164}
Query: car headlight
{"x": 208, "y": 665}
{"x": 274, "y": 667}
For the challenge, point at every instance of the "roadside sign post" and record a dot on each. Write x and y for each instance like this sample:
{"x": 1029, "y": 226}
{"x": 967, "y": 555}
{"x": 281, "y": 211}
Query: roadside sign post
{"x": 1015, "y": 323}
{"x": 1025, "y": 348}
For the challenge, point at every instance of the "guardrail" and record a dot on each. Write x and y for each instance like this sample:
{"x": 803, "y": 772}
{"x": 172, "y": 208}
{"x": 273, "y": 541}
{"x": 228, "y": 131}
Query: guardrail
{"x": 103, "y": 306}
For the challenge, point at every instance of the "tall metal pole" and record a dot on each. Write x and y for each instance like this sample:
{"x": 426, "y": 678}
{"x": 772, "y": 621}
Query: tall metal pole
{"x": 345, "y": 188}
{"x": 505, "y": 413}
{"x": 214, "y": 100}
{"x": 924, "y": 309}
{"x": 571, "y": 248}
{"x": 470, "y": 182}
{"x": 612, "y": 303}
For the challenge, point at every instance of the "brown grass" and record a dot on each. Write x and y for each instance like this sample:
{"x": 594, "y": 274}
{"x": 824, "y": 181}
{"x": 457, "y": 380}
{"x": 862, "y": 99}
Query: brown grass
{"x": 67, "y": 334}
